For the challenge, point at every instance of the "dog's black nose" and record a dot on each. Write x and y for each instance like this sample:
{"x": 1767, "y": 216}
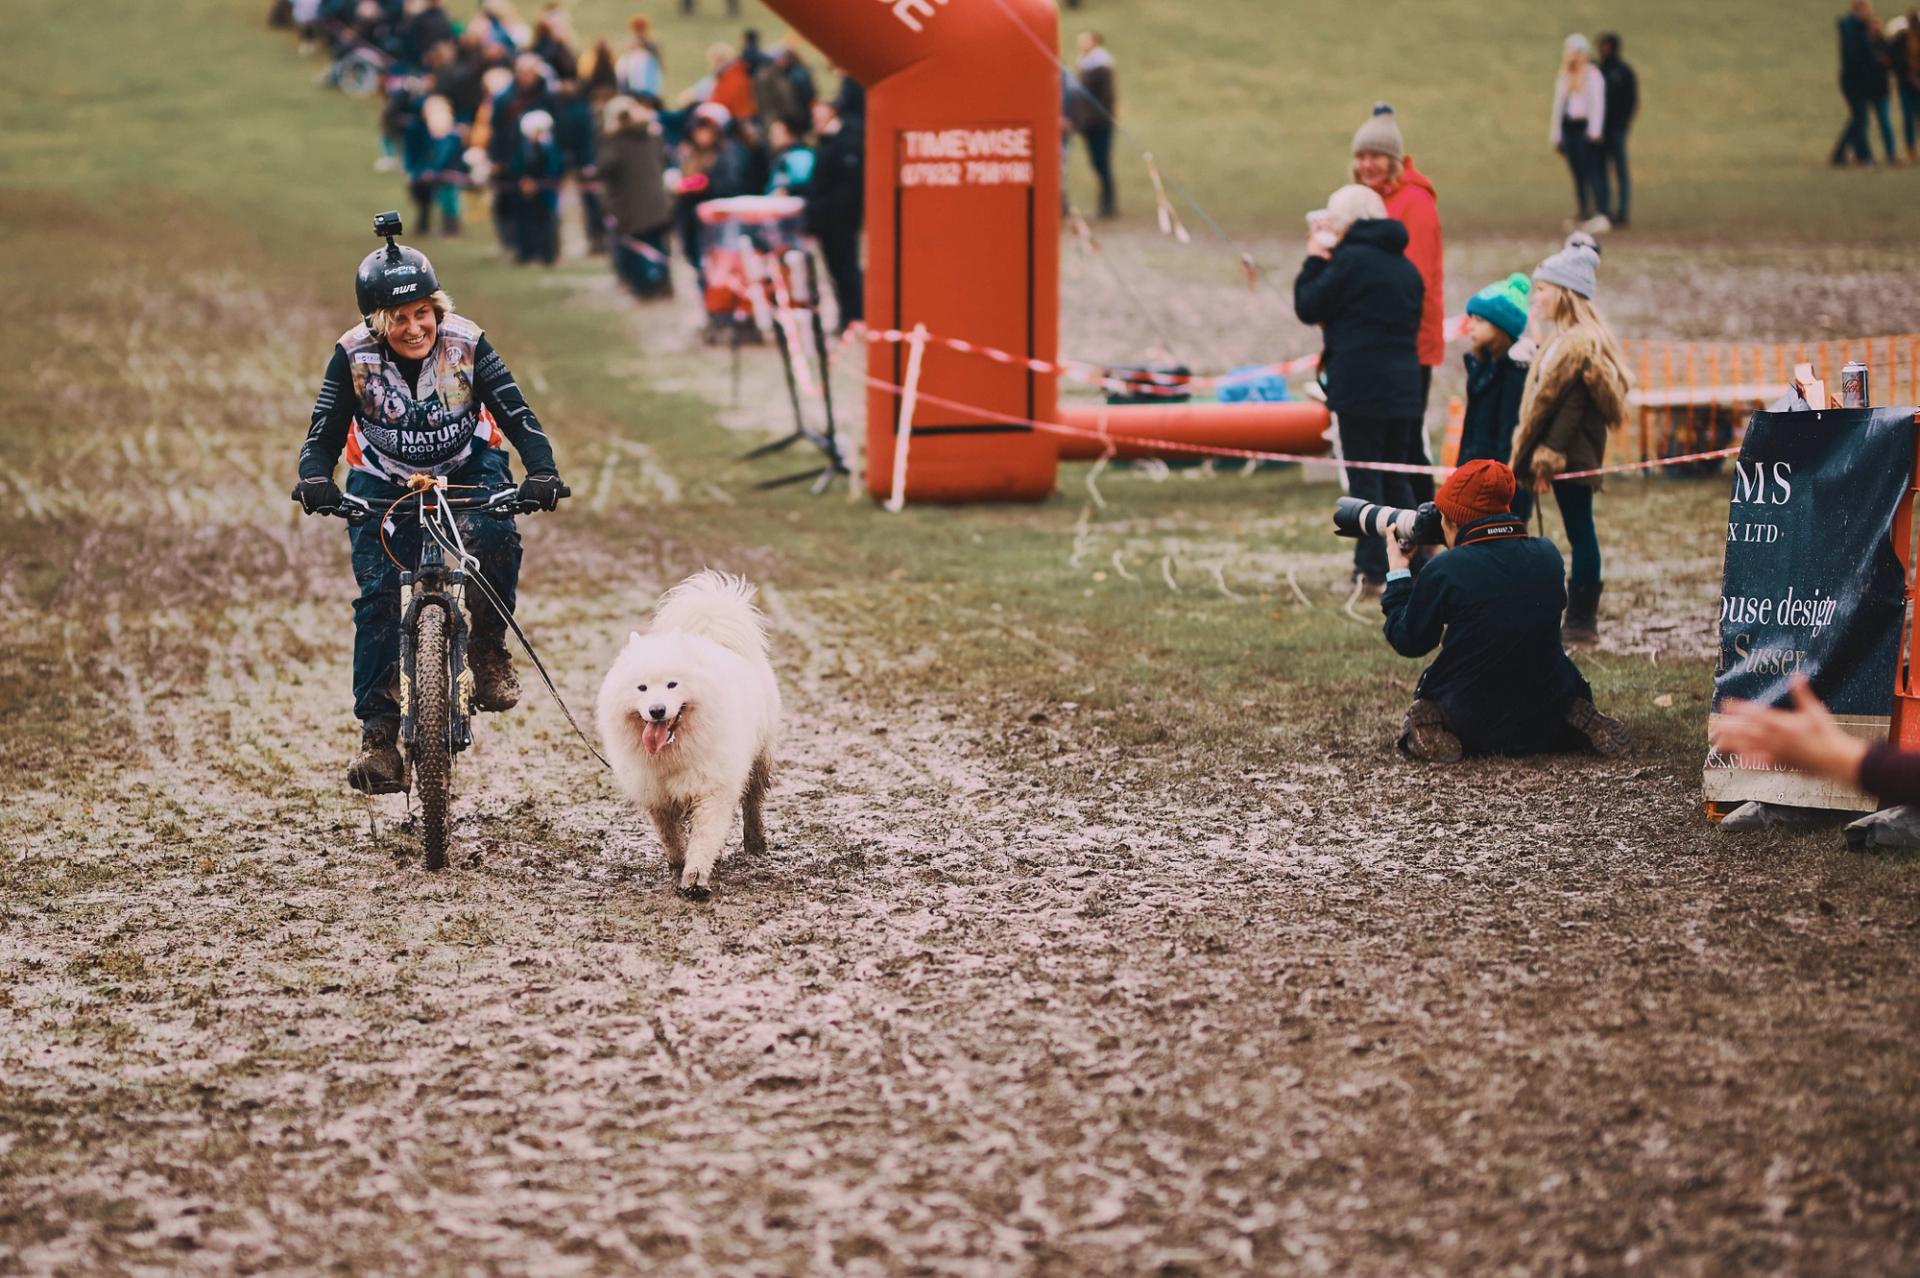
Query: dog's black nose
{"x": 657, "y": 712}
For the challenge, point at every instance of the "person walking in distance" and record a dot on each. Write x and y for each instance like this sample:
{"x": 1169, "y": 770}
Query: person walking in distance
{"x": 1623, "y": 103}
{"x": 1579, "y": 124}
{"x": 1093, "y": 110}
{"x": 836, "y": 206}
{"x": 1903, "y": 51}
{"x": 1863, "y": 82}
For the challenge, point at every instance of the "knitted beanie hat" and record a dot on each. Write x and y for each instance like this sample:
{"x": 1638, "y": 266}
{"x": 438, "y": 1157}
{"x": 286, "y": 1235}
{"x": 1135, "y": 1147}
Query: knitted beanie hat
{"x": 1476, "y": 490}
{"x": 1380, "y": 134}
{"x": 1504, "y": 305}
{"x": 1572, "y": 268}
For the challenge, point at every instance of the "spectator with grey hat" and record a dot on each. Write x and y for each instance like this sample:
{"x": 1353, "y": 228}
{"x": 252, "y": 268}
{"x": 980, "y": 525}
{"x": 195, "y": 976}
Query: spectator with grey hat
{"x": 1575, "y": 393}
{"x": 1578, "y": 129}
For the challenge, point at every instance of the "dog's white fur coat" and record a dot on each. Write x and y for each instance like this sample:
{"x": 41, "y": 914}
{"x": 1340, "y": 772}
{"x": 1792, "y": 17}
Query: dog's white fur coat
{"x": 689, "y": 716}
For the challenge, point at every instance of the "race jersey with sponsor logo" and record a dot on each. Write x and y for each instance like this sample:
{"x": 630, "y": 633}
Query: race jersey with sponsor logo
{"x": 395, "y": 417}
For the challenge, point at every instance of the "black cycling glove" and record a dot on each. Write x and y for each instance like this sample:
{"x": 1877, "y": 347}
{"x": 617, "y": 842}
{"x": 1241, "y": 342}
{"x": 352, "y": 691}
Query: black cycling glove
{"x": 543, "y": 491}
{"x": 317, "y": 493}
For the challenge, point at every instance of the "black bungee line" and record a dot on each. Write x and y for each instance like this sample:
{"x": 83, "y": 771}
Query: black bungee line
{"x": 459, "y": 551}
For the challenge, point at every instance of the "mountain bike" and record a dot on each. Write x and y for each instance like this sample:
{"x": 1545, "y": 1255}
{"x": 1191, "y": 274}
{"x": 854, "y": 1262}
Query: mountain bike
{"x": 436, "y": 687}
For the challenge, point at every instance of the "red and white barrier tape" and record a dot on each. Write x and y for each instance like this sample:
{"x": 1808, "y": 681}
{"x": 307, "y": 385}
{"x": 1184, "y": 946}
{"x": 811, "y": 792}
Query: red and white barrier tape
{"x": 1142, "y": 382}
{"x": 1255, "y": 454}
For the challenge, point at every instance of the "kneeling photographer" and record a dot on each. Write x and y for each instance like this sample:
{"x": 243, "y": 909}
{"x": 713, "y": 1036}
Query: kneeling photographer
{"x": 1503, "y": 683}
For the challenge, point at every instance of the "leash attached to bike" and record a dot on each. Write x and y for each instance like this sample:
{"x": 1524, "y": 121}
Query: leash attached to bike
{"x": 458, "y": 549}
{"x": 500, "y": 506}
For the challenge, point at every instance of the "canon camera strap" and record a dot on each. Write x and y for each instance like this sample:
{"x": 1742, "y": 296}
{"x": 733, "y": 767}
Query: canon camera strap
{"x": 1496, "y": 529}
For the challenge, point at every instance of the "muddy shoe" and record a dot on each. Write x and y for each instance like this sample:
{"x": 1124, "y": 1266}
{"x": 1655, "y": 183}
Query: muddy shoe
{"x": 1426, "y": 736}
{"x": 379, "y": 768}
{"x": 1606, "y": 734}
{"x": 495, "y": 685}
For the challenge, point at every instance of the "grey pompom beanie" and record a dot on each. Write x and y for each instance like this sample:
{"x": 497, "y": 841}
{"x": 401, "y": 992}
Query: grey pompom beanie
{"x": 1380, "y": 134}
{"x": 1573, "y": 268}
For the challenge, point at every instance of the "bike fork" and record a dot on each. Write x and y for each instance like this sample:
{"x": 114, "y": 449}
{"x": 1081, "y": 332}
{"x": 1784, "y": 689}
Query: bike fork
{"x": 460, "y": 680}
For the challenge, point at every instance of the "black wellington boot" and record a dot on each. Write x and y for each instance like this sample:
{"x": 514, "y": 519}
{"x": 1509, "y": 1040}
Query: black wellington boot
{"x": 1582, "y": 624}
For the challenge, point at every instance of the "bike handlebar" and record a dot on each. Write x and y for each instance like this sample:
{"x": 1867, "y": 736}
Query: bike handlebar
{"x": 501, "y": 503}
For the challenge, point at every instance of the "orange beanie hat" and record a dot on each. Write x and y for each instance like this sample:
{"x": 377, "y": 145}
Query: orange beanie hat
{"x": 1476, "y": 490}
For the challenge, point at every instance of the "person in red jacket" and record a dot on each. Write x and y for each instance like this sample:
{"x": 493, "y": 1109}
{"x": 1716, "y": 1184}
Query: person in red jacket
{"x": 1380, "y": 161}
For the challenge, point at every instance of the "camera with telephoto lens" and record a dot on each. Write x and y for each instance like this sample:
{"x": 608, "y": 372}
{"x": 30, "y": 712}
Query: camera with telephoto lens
{"x": 387, "y": 224}
{"x": 1353, "y": 517}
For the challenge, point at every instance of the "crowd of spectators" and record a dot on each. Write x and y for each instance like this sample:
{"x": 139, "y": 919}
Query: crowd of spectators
{"x": 513, "y": 113}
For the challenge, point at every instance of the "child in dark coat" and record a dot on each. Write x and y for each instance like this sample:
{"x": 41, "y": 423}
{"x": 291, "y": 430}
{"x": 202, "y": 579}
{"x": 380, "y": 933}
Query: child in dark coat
{"x": 536, "y": 171}
{"x": 436, "y": 165}
{"x": 1496, "y": 374}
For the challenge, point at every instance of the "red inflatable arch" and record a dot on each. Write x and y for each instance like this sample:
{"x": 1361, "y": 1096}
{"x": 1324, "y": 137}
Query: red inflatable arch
{"x": 963, "y": 234}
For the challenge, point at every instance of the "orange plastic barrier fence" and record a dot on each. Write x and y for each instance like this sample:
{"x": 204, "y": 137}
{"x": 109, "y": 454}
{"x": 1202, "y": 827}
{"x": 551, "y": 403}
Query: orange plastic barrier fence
{"x": 1690, "y": 386}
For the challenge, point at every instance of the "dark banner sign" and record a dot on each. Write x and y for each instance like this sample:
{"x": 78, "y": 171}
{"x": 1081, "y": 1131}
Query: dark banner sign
{"x": 1812, "y": 584}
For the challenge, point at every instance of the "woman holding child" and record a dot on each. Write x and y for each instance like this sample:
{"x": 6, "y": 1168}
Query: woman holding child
{"x": 1358, "y": 285}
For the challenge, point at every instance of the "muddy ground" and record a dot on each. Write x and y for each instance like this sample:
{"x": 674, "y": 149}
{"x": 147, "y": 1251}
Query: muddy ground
{"x": 1020, "y": 988}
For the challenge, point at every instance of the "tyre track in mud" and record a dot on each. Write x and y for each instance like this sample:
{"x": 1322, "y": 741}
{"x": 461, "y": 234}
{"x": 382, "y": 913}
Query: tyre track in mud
{"x": 992, "y": 1004}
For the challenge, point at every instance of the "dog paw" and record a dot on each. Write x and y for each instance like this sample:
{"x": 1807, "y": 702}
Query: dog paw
{"x": 695, "y": 891}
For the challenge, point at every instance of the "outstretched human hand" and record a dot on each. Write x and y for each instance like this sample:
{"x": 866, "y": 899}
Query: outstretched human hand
{"x": 1805, "y": 738}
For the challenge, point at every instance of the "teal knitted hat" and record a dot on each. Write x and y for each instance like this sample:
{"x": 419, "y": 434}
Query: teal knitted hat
{"x": 1504, "y": 305}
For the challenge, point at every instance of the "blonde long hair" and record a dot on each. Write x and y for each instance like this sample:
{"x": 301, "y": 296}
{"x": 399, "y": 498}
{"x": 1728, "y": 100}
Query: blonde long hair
{"x": 1568, "y": 315}
{"x": 1573, "y": 67}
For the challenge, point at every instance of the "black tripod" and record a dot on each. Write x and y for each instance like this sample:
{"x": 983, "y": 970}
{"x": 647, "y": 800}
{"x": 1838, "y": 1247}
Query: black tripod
{"x": 806, "y": 296}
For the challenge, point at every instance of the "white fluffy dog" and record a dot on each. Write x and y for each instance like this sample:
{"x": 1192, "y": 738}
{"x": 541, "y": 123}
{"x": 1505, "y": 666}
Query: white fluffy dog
{"x": 688, "y": 716}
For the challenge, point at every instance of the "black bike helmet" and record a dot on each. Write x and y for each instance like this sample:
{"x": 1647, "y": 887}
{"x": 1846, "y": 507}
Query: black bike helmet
{"x": 394, "y": 275}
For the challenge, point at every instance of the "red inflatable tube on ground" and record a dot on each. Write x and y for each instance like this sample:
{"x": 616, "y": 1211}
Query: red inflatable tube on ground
{"x": 1295, "y": 427}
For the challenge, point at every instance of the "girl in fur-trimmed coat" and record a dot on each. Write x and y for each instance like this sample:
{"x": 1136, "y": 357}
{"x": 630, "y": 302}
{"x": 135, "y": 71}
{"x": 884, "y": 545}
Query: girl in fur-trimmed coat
{"x": 1576, "y": 392}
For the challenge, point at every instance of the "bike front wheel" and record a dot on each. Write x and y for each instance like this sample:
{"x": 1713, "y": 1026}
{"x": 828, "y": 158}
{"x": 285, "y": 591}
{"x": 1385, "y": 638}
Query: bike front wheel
{"x": 433, "y": 731}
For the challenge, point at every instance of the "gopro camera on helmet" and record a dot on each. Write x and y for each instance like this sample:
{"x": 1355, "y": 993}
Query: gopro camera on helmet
{"x": 1353, "y": 517}
{"x": 392, "y": 276}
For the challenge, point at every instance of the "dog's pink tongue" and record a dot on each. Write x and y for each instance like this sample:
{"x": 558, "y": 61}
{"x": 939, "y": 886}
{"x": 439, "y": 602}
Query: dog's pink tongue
{"x": 655, "y": 736}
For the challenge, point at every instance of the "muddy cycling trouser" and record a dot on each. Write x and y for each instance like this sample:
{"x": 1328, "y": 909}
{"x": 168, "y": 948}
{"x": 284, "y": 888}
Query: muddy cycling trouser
{"x": 376, "y": 613}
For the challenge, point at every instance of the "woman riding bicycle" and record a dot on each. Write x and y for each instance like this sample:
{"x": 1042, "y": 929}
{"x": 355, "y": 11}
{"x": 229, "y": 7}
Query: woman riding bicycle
{"x": 416, "y": 390}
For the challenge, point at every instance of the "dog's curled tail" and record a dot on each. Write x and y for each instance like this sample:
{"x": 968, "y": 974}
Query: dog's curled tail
{"x": 718, "y": 606}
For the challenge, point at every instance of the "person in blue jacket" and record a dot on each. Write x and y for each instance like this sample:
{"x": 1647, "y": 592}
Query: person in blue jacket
{"x": 535, "y": 173}
{"x": 576, "y": 133}
{"x": 1503, "y": 683}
